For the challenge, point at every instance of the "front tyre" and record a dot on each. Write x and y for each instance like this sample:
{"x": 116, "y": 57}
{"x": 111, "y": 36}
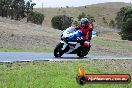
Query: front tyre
{"x": 58, "y": 52}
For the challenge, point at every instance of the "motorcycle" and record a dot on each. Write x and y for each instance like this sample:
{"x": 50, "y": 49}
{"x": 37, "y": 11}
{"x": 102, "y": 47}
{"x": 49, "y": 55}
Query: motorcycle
{"x": 71, "y": 43}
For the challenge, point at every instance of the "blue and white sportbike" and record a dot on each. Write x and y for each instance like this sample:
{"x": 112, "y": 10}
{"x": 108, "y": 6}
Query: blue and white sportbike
{"x": 70, "y": 43}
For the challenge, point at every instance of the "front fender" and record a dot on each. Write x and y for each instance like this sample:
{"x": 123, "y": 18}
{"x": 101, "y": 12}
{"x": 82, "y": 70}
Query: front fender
{"x": 64, "y": 44}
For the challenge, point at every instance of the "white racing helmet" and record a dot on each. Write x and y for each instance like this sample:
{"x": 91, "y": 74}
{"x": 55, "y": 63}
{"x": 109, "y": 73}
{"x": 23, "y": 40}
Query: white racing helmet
{"x": 84, "y": 22}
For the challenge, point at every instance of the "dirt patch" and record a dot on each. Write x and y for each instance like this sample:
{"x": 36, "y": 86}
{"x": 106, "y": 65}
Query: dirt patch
{"x": 114, "y": 65}
{"x": 115, "y": 52}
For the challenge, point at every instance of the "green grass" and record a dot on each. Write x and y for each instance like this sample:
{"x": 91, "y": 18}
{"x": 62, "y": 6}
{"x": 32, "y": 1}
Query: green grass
{"x": 59, "y": 74}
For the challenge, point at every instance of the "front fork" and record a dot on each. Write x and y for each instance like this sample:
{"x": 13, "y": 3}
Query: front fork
{"x": 65, "y": 47}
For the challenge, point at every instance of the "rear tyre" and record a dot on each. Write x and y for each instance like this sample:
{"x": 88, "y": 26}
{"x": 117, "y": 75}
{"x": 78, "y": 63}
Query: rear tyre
{"x": 58, "y": 52}
{"x": 80, "y": 53}
{"x": 83, "y": 51}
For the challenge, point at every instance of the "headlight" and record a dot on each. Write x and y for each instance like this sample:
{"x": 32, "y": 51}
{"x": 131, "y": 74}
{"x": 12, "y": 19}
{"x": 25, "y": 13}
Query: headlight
{"x": 65, "y": 36}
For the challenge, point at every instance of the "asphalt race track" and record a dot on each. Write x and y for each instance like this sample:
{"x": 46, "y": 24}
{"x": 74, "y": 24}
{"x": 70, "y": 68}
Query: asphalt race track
{"x": 29, "y": 56}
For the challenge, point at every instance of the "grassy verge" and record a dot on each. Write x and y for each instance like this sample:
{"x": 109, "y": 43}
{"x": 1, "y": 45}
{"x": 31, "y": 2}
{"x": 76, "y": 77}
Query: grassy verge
{"x": 26, "y": 50}
{"x": 113, "y": 44}
{"x": 103, "y": 46}
{"x": 111, "y": 47}
{"x": 59, "y": 74}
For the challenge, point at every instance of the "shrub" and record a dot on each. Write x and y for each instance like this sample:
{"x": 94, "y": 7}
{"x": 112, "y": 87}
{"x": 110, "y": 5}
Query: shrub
{"x": 112, "y": 23}
{"x": 35, "y": 17}
{"x": 81, "y": 16}
{"x": 91, "y": 18}
{"x": 76, "y": 23}
{"x": 67, "y": 6}
{"x": 104, "y": 20}
{"x": 61, "y": 22}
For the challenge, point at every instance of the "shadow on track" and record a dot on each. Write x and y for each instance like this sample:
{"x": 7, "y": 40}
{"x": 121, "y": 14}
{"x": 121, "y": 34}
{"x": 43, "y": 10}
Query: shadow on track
{"x": 71, "y": 56}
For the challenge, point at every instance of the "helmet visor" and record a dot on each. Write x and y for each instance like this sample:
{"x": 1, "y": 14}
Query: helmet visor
{"x": 83, "y": 25}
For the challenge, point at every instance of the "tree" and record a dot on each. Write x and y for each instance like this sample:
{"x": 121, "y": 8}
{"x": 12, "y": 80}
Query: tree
{"x": 120, "y": 16}
{"x": 4, "y": 6}
{"x": 18, "y": 9}
{"x": 124, "y": 22}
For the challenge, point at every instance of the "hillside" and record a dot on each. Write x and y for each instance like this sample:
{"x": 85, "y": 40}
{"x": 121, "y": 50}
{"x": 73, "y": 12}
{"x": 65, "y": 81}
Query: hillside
{"x": 23, "y": 35}
{"x": 107, "y": 10}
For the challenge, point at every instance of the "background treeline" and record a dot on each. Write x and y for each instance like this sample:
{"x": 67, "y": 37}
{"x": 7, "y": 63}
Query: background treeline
{"x": 18, "y": 9}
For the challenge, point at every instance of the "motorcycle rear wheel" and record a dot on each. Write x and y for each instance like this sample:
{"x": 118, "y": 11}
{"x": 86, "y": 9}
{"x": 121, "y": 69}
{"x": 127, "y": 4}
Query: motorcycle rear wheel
{"x": 83, "y": 51}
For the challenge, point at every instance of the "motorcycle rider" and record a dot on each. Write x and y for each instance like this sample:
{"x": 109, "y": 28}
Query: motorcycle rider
{"x": 86, "y": 29}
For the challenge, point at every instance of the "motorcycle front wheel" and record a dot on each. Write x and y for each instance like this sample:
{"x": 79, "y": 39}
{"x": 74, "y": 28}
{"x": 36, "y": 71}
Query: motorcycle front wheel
{"x": 58, "y": 52}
